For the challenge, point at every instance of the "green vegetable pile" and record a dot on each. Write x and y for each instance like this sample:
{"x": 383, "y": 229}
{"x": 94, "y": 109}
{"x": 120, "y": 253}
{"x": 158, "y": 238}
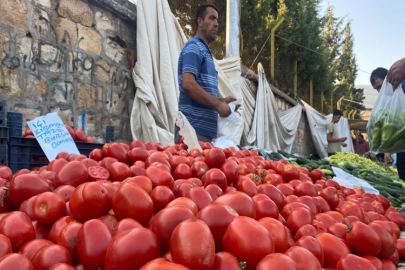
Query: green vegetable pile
{"x": 376, "y": 174}
{"x": 386, "y": 132}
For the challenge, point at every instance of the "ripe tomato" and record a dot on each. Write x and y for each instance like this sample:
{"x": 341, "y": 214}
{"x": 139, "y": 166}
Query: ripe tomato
{"x": 131, "y": 201}
{"x": 277, "y": 232}
{"x": 119, "y": 171}
{"x": 138, "y": 154}
{"x": 89, "y": 201}
{"x": 49, "y": 255}
{"x": 312, "y": 245}
{"x": 238, "y": 241}
{"x": 200, "y": 196}
{"x": 136, "y": 144}
{"x": 333, "y": 249}
{"x": 123, "y": 254}
{"x": 159, "y": 177}
{"x": 184, "y": 202}
{"x": 74, "y": 173}
{"x": 316, "y": 175}
{"x": 377, "y": 262}
{"x": 215, "y": 176}
{"x": 161, "y": 196}
{"x": 288, "y": 208}
{"x": 5, "y": 172}
{"x": 15, "y": 261}
{"x": 48, "y": 207}
{"x": 215, "y": 158}
{"x": 277, "y": 261}
{"x": 388, "y": 265}
{"x": 273, "y": 193}
{"x": 58, "y": 227}
{"x": 62, "y": 266}
{"x": 353, "y": 262}
{"x": 5, "y": 245}
{"x": 107, "y": 161}
{"x": 303, "y": 258}
{"x": 387, "y": 241}
{"x": 266, "y": 208}
{"x": 298, "y": 218}
{"x": 116, "y": 150}
{"x": 18, "y": 228}
{"x": 331, "y": 196}
{"x": 338, "y": 230}
{"x": 363, "y": 239}
{"x": 30, "y": 248}
{"x": 198, "y": 169}
{"x": 93, "y": 240}
{"x": 230, "y": 169}
{"x": 306, "y": 230}
{"x": 142, "y": 181}
{"x": 214, "y": 191}
{"x": 182, "y": 171}
{"x": 305, "y": 189}
{"x": 240, "y": 202}
{"x": 96, "y": 154}
{"x": 161, "y": 263}
{"x": 68, "y": 239}
{"x": 26, "y": 207}
{"x": 225, "y": 261}
{"x": 290, "y": 172}
{"x": 397, "y": 218}
{"x": 25, "y": 186}
{"x": 110, "y": 221}
{"x": 65, "y": 192}
{"x": 41, "y": 231}
{"x": 137, "y": 170}
{"x": 192, "y": 245}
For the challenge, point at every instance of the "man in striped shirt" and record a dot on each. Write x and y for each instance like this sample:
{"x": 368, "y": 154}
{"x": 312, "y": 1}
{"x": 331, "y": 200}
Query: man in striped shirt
{"x": 198, "y": 79}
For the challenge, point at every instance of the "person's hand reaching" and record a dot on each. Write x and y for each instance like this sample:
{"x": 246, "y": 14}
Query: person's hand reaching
{"x": 396, "y": 74}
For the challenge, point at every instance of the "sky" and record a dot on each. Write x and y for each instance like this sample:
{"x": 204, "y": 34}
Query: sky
{"x": 378, "y": 30}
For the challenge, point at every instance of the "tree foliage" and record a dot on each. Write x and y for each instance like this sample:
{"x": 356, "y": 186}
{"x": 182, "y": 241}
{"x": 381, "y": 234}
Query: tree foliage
{"x": 320, "y": 42}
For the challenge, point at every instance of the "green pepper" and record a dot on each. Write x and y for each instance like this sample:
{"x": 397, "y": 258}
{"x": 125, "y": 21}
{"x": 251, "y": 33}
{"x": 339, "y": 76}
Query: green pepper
{"x": 376, "y": 140}
{"x": 396, "y": 141}
{"x": 387, "y": 132}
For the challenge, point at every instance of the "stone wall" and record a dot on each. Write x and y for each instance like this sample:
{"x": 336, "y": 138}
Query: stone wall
{"x": 71, "y": 57}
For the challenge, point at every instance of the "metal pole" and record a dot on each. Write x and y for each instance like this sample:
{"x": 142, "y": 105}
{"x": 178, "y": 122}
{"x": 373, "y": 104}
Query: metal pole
{"x": 331, "y": 97}
{"x": 232, "y": 28}
{"x": 322, "y": 100}
{"x": 295, "y": 77}
{"x": 273, "y": 36}
{"x": 311, "y": 93}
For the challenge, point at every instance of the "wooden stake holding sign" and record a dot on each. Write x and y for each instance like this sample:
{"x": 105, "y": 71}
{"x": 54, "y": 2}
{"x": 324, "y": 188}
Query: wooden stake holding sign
{"x": 187, "y": 131}
{"x": 52, "y": 135}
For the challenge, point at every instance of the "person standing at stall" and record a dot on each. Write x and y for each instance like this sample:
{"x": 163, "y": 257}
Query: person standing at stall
{"x": 362, "y": 146}
{"x": 198, "y": 79}
{"x": 335, "y": 142}
{"x": 396, "y": 77}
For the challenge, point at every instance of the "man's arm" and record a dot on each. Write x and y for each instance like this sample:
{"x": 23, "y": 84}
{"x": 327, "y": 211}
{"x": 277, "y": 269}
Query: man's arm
{"x": 331, "y": 139}
{"x": 198, "y": 94}
{"x": 396, "y": 74}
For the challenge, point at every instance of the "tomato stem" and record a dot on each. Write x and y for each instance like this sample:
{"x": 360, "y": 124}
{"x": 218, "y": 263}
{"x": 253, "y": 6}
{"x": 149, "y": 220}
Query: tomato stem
{"x": 242, "y": 265}
{"x": 5, "y": 194}
{"x": 349, "y": 228}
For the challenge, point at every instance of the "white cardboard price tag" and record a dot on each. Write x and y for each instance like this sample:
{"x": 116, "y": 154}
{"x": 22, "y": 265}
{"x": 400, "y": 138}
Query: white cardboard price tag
{"x": 187, "y": 131}
{"x": 52, "y": 135}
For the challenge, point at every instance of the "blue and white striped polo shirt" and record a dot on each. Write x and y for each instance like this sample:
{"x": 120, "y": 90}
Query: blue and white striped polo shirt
{"x": 196, "y": 58}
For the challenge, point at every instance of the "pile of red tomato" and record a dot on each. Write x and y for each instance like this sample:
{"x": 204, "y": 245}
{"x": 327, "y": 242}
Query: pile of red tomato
{"x": 145, "y": 206}
{"x": 78, "y": 135}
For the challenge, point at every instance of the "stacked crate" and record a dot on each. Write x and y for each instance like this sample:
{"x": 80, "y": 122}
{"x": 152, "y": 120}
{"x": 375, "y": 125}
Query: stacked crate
{"x": 3, "y": 136}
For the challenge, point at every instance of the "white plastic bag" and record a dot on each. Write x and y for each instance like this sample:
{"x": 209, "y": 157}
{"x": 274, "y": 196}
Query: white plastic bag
{"x": 232, "y": 119}
{"x": 386, "y": 127}
{"x": 224, "y": 142}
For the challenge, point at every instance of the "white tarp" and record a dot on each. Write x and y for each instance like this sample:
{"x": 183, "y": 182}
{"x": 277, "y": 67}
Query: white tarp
{"x": 159, "y": 43}
{"x": 265, "y": 127}
{"x": 317, "y": 124}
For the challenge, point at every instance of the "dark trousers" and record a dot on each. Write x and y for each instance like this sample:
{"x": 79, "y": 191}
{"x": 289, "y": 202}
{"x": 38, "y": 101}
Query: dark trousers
{"x": 200, "y": 138}
{"x": 401, "y": 165}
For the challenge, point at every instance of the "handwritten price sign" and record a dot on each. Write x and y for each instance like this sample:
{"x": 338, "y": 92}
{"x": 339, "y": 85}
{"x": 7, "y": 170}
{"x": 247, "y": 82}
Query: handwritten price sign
{"x": 52, "y": 135}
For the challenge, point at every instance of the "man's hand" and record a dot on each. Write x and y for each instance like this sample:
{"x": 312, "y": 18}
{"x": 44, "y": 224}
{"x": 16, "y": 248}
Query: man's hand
{"x": 396, "y": 74}
{"x": 387, "y": 159}
{"x": 344, "y": 144}
{"x": 343, "y": 139}
{"x": 228, "y": 99}
{"x": 223, "y": 109}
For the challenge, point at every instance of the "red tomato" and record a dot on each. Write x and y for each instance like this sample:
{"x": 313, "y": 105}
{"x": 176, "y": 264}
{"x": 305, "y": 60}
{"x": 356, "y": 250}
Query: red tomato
{"x": 110, "y": 221}
{"x": 65, "y": 192}
{"x": 138, "y": 154}
{"x": 48, "y": 207}
{"x": 80, "y": 158}
{"x": 159, "y": 177}
{"x": 248, "y": 187}
{"x": 290, "y": 172}
{"x": 312, "y": 245}
{"x": 161, "y": 196}
{"x": 288, "y": 208}
{"x": 18, "y": 228}
{"x": 68, "y": 239}
{"x": 89, "y": 201}
{"x": 74, "y": 173}
{"x": 184, "y": 202}
{"x": 71, "y": 157}
{"x": 142, "y": 181}
{"x": 58, "y": 227}
{"x": 107, "y": 161}
{"x": 273, "y": 193}
{"x": 363, "y": 239}
{"x": 353, "y": 262}
{"x": 131, "y": 201}
{"x": 214, "y": 191}
{"x": 240, "y": 202}
{"x": 161, "y": 263}
{"x": 119, "y": 171}
{"x": 89, "y": 162}
{"x": 25, "y": 186}
{"x": 29, "y": 249}
{"x": 338, "y": 230}
{"x": 192, "y": 245}
{"x": 62, "y": 266}
{"x": 333, "y": 249}
{"x": 230, "y": 169}
{"x": 126, "y": 224}
{"x": 116, "y": 150}
{"x": 274, "y": 179}
{"x": 310, "y": 202}
{"x": 277, "y": 261}
{"x": 305, "y": 189}
{"x": 136, "y": 144}
{"x": 166, "y": 221}
{"x": 331, "y": 196}
{"x": 80, "y": 136}
{"x": 306, "y": 230}
{"x": 182, "y": 171}
{"x": 93, "y": 240}
{"x": 238, "y": 241}
{"x": 327, "y": 220}
{"x": 198, "y": 169}
{"x": 5, "y": 172}
{"x": 137, "y": 170}
{"x": 15, "y": 261}
{"x": 298, "y": 218}
{"x": 200, "y": 196}
{"x": 323, "y": 205}
{"x": 217, "y": 177}
{"x": 48, "y": 175}
{"x": 49, "y": 255}
{"x": 377, "y": 262}
{"x": 388, "y": 265}
{"x": 26, "y": 207}
{"x": 218, "y": 217}
{"x": 387, "y": 241}
{"x": 277, "y": 232}
{"x": 266, "y": 208}
{"x": 225, "y": 261}
{"x": 96, "y": 154}
{"x": 5, "y": 245}
{"x": 316, "y": 175}
{"x": 397, "y": 218}
{"x": 215, "y": 158}
{"x": 123, "y": 254}
{"x": 303, "y": 258}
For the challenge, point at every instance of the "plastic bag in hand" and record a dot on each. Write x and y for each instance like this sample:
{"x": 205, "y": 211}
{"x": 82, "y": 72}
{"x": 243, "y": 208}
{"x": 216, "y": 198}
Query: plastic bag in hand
{"x": 386, "y": 127}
